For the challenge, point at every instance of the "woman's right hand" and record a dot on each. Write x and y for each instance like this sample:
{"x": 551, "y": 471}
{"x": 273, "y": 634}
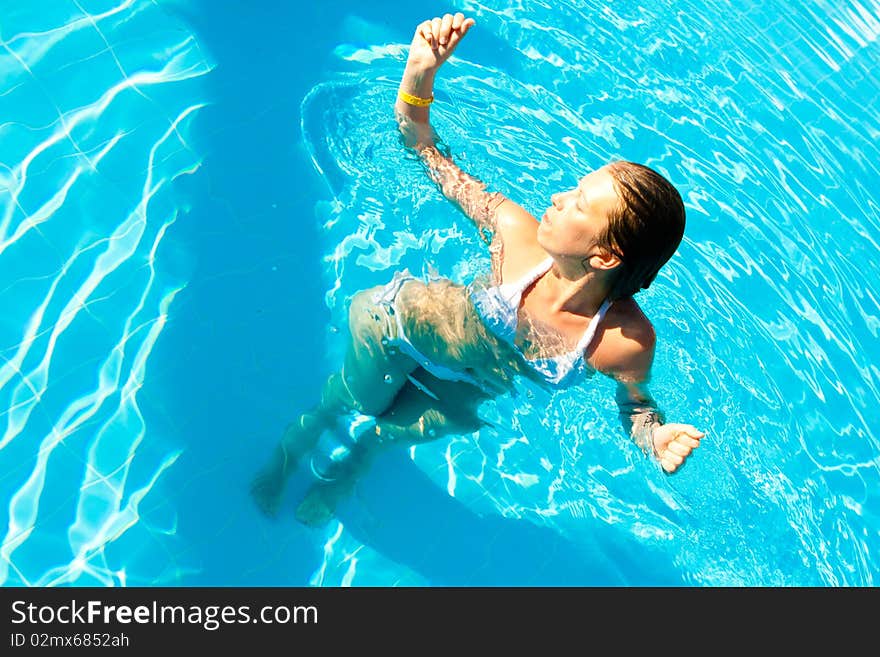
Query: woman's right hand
{"x": 435, "y": 39}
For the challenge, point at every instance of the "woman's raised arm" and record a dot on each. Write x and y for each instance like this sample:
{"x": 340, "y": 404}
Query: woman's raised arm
{"x": 432, "y": 44}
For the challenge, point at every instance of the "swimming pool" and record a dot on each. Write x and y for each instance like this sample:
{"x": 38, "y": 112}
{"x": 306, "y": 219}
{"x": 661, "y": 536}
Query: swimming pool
{"x": 190, "y": 195}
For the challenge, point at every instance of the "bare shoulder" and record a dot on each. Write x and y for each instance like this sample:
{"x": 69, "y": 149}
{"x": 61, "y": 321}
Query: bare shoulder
{"x": 627, "y": 317}
{"x": 626, "y": 346}
{"x": 514, "y": 221}
{"x": 517, "y": 229}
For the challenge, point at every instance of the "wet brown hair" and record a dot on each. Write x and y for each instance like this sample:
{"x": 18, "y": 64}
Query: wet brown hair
{"x": 646, "y": 228}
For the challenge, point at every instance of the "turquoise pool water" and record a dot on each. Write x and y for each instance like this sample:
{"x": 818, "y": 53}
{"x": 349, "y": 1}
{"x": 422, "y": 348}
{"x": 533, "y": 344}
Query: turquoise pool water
{"x": 190, "y": 192}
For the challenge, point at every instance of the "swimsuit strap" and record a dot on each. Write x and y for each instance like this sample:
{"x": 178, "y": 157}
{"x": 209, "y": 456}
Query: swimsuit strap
{"x": 533, "y": 274}
{"x": 588, "y": 335}
{"x": 541, "y": 268}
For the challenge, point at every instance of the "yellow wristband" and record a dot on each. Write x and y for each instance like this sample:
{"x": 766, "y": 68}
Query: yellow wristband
{"x": 409, "y": 99}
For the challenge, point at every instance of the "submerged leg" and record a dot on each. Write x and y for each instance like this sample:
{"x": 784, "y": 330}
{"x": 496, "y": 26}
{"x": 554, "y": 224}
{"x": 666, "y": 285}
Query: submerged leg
{"x": 336, "y": 480}
{"x": 299, "y": 437}
{"x": 413, "y": 418}
{"x": 417, "y": 418}
{"x": 370, "y": 379}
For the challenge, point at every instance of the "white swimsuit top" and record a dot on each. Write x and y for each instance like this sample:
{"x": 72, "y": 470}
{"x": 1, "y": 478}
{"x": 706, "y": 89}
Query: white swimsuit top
{"x": 498, "y": 307}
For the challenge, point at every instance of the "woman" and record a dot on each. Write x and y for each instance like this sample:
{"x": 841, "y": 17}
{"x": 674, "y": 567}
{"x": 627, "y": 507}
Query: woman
{"x": 424, "y": 354}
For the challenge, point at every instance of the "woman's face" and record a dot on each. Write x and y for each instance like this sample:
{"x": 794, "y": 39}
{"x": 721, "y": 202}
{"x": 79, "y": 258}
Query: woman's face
{"x": 575, "y": 220}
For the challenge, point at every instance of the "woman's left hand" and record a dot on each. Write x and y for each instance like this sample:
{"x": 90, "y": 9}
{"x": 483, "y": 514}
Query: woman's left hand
{"x": 673, "y": 443}
{"x": 435, "y": 39}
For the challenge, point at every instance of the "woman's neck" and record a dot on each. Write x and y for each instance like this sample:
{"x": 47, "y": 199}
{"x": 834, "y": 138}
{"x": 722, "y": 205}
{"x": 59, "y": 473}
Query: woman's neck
{"x": 571, "y": 289}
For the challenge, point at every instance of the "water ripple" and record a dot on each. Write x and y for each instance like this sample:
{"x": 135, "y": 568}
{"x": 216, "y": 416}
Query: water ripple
{"x": 85, "y": 207}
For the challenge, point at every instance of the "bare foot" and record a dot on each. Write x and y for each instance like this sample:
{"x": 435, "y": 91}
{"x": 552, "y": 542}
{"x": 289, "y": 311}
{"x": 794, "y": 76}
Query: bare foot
{"x": 319, "y": 505}
{"x": 266, "y": 489}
